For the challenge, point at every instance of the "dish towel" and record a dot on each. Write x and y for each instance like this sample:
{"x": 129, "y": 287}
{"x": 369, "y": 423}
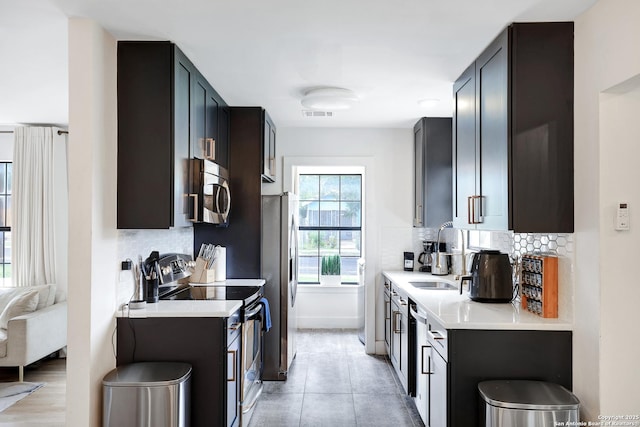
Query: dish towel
{"x": 267, "y": 314}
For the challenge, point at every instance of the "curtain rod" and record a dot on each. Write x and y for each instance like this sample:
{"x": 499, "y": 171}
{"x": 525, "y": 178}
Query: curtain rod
{"x": 60, "y": 132}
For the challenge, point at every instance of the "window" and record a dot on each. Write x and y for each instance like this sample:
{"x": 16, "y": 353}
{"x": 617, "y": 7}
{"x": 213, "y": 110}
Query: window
{"x": 330, "y": 223}
{"x": 5, "y": 219}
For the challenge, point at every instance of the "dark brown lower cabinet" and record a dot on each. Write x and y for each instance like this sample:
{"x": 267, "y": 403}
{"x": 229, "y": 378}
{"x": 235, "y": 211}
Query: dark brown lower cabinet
{"x": 479, "y": 355}
{"x": 210, "y": 344}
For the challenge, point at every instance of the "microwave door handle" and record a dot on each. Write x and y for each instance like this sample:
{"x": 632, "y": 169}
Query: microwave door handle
{"x": 217, "y": 199}
{"x": 225, "y": 187}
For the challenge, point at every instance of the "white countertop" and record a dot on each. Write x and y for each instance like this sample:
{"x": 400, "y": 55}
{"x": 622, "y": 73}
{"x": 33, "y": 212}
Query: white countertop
{"x": 183, "y": 308}
{"x": 192, "y": 308}
{"x": 455, "y": 311}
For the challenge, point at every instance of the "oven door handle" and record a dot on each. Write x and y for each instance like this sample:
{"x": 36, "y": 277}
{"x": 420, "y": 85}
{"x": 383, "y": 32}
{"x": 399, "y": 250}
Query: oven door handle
{"x": 253, "y": 313}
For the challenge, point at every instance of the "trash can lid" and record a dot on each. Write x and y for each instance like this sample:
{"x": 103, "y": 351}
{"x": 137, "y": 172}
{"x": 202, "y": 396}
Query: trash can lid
{"x": 525, "y": 394}
{"x": 149, "y": 374}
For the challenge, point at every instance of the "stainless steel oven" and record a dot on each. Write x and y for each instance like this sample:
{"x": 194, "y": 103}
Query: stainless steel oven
{"x": 252, "y": 359}
{"x": 252, "y": 316}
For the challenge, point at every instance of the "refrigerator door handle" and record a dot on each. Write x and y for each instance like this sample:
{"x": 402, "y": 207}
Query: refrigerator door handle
{"x": 293, "y": 261}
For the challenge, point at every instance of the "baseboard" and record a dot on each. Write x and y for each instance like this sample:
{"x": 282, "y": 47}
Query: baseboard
{"x": 305, "y": 322}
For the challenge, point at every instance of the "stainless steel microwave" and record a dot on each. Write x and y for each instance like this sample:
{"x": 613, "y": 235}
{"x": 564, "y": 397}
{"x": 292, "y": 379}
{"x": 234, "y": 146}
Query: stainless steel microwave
{"x": 210, "y": 196}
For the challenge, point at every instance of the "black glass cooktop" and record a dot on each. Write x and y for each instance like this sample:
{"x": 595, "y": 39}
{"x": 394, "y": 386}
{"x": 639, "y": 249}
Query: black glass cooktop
{"x": 247, "y": 294}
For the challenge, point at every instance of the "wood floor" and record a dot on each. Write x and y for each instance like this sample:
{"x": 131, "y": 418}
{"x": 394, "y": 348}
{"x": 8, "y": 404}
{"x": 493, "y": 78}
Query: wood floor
{"x": 44, "y": 407}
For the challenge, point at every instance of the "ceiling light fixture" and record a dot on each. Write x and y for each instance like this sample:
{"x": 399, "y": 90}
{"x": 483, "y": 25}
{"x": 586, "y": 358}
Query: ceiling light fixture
{"x": 329, "y": 99}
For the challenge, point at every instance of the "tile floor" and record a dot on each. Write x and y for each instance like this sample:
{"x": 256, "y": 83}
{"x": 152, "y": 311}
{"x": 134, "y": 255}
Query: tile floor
{"x": 333, "y": 382}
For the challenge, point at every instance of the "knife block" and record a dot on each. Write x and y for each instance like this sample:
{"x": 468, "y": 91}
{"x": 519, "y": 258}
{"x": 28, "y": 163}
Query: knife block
{"x": 539, "y": 284}
{"x": 202, "y": 274}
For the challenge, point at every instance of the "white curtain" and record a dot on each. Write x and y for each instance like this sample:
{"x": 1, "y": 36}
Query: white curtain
{"x": 33, "y": 230}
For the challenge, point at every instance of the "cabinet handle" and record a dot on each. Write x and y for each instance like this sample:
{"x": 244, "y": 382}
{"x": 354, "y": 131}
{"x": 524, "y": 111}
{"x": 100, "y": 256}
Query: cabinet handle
{"x": 272, "y": 166}
{"x": 435, "y": 335}
{"x": 476, "y": 209}
{"x": 397, "y": 327}
{"x": 402, "y": 302}
{"x": 234, "y": 326}
{"x": 428, "y": 372}
{"x": 469, "y": 210}
{"x": 195, "y": 207}
{"x": 418, "y": 214}
{"x": 210, "y": 149}
{"x": 387, "y": 309}
{"x": 233, "y": 354}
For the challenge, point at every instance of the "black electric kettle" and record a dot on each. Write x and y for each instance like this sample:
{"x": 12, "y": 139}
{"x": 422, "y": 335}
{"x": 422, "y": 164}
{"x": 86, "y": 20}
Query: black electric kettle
{"x": 491, "y": 277}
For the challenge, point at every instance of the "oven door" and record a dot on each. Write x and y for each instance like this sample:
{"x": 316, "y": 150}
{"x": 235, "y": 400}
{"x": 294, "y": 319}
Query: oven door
{"x": 252, "y": 333}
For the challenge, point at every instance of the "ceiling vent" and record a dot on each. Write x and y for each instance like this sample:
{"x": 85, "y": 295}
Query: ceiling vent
{"x": 315, "y": 113}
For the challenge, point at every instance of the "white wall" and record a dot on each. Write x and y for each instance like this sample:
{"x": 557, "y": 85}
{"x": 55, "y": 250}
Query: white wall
{"x": 6, "y": 144}
{"x": 606, "y": 335}
{"x": 387, "y": 155}
{"x": 92, "y": 218}
{"x": 327, "y": 308}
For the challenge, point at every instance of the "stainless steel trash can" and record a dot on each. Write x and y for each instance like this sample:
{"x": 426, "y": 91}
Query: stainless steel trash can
{"x": 523, "y": 403}
{"x": 147, "y": 394}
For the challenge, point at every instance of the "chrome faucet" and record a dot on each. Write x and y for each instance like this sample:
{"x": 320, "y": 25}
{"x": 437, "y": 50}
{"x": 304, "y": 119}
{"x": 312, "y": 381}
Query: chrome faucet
{"x": 437, "y": 269}
{"x": 449, "y": 224}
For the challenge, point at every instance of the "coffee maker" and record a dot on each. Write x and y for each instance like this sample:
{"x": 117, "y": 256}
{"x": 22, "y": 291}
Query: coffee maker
{"x": 425, "y": 259}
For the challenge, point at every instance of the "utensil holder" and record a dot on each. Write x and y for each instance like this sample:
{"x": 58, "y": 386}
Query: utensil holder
{"x": 152, "y": 290}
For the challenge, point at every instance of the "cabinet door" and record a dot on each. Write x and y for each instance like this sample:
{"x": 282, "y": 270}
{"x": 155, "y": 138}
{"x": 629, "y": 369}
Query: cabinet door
{"x": 205, "y": 120}
{"x": 404, "y": 345}
{"x": 233, "y": 382}
{"x": 184, "y": 77}
{"x": 269, "y": 150}
{"x": 210, "y": 146}
{"x": 387, "y": 321}
{"x": 437, "y": 390}
{"x": 222, "y": 144}
{"x": 464, "y": 147}
{"x": 395, "y": 334}
{"x": 492, "y": 134}
{"x": 418, "y": 174}
{"x": 423, "y": 357}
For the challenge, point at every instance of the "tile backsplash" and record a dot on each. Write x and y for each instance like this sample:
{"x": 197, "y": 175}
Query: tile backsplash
{"x": 514, "y": 244}
{"x": 132, "y": 243}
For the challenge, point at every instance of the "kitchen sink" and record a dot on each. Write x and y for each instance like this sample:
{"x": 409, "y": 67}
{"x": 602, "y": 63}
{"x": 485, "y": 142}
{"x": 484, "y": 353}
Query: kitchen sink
{"x": 432, "y": 285}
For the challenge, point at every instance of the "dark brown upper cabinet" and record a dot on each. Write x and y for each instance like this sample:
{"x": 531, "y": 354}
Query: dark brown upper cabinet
{"x": 432, "y": 171}
{"x": 210, "y": 124}
{"x": 513, "y": 133}
{"x": 167, "y": 114}
{"x": 252, "y": 129}
{"x": 268, "y": 149}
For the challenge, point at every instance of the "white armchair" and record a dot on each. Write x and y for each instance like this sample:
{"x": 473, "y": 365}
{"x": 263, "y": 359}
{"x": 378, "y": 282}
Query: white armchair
{"x": 32, "y": 336}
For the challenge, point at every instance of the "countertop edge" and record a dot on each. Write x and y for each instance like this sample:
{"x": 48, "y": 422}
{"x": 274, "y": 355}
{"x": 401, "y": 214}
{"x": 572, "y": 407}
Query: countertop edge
{"x": 183, "y": 308}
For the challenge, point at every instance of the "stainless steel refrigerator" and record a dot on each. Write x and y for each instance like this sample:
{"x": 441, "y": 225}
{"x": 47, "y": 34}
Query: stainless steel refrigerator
{"x": 280, "y": 270}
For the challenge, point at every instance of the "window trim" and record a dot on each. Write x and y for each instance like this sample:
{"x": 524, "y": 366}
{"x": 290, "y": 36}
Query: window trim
{"x": 5, "y": 229}
{"x": 338, "y": 229}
